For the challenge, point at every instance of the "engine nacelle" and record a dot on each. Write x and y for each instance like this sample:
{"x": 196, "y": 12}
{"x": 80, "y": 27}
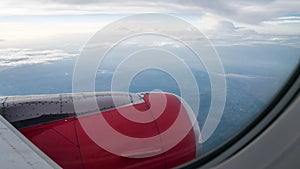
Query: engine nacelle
{"x": 127, "y": 130}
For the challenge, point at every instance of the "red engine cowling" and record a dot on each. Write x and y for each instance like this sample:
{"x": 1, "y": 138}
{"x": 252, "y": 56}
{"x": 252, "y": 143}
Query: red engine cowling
{"x": 62, "y": 133}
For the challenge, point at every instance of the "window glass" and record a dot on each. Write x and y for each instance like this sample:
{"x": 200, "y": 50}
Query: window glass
{"x": 223, "y": 61}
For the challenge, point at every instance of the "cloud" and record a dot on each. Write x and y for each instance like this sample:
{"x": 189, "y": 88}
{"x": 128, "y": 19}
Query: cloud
{"x": 104, "y": 71}
{"x": 21, "y": 57}
{"x": 226, "y": 33}
{"x": 227, "y": 23}
{"x": 284, "y": 20}
{"x": 255, "y": 40}
{"x": 245, "y": 11}
{"x": 151, "y": 41}
{"x": 250, "y": 11}
{"x": 233, "y": 75}
{"x": 242, "y": 76}
{"x": 59, "y": 7}
{"x": 226, "y": 26}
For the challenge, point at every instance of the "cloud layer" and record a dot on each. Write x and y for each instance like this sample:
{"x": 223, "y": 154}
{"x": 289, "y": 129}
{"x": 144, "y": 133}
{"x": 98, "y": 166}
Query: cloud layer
{"x": 242, "y": 76}
{"x": 21, "y": 57}
{"x": 246, "y": 11}
{"x": 225, "y": 23}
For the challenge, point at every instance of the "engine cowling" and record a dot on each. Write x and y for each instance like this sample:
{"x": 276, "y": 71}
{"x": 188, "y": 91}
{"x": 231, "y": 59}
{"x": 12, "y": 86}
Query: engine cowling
{"x": 81, "y": 140}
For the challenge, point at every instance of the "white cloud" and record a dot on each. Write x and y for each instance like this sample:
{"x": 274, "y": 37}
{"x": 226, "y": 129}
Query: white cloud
{"x": 232, "y": 22}
{"x": 104, "y": 71}
{"x": 289, "y": 17}
{"x": 57, "y": 7}
{"x": 234, "y": 75}
{"x": 245, "y": 11}
{"x": 151, "y": 42}
{"x": 284, "y": 20}
{"x": 227, "y": 33}
{"x": 242, "y": 76}
{"x": 251, "y": 11}
{"x": 21, "y": 57}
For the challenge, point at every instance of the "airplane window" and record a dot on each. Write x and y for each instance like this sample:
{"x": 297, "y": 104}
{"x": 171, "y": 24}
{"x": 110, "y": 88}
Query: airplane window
{"x": 138, "y": 84}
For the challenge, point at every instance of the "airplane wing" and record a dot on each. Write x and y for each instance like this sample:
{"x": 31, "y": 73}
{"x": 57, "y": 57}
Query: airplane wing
{"x": 18, "y": 152}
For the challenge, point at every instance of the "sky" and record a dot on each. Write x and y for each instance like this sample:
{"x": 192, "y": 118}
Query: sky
{"x": 43, "y": 29}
